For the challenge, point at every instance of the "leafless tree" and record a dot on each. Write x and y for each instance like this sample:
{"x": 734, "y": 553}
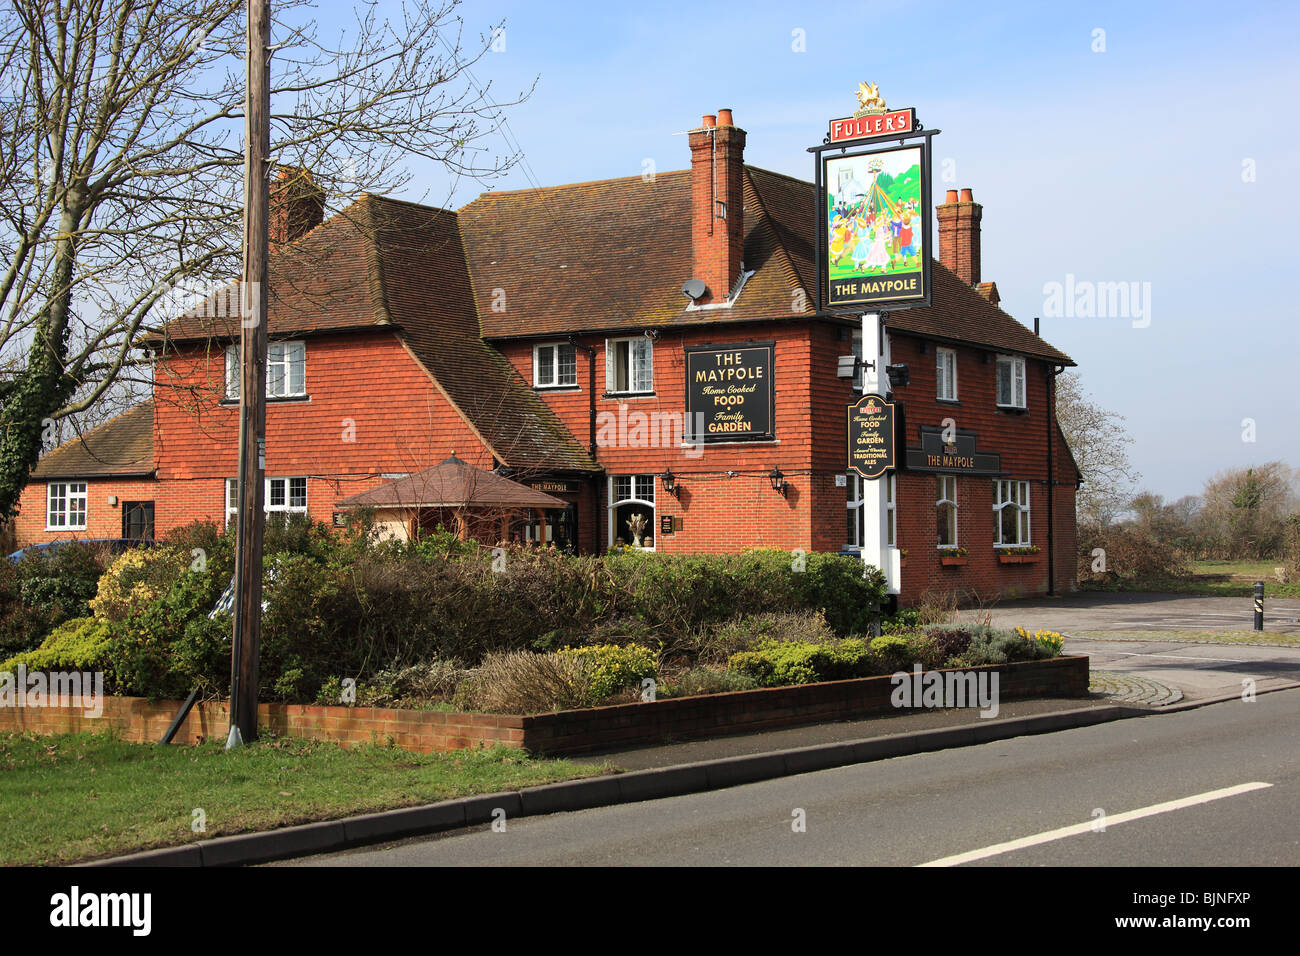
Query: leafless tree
{"x": 1099, "y": 442}
{"x": 121, "y": 167}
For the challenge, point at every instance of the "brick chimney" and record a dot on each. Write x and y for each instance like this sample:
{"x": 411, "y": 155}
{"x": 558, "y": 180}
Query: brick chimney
{"x": 959, "y": 235}
{"x": 297, "y": 205}
{"x": 717, "y": 204}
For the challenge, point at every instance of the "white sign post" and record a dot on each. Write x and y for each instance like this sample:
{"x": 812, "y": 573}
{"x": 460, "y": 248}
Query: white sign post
{"x": 876, "y": 550}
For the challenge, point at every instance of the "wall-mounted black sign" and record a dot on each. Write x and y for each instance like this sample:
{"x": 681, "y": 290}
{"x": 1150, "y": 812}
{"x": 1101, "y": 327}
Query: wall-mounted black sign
{"x": 873, "y": 425}
{"x": 729, "y": 392}
{"x": 960, "y": 456}
{"x": 669, "y": 524}
{"x": 554, "y": 487}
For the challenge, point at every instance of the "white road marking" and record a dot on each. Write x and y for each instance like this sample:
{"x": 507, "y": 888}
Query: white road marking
{"x": 1177, "y": 657}
{"x": 1111, "y": 820}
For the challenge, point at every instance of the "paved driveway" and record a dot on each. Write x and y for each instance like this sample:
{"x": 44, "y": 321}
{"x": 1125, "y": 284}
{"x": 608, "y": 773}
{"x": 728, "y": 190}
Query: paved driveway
{"x": 1198, "y": 668}
{"x": 1077, "y": 614}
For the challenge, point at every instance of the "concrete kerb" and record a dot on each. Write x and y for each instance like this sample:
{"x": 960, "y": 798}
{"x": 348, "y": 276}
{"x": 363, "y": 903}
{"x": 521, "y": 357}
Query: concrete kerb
{"x": 632, "y": 787}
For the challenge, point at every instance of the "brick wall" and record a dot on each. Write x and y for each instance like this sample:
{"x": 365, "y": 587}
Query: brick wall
{"x": 624, "y": 725}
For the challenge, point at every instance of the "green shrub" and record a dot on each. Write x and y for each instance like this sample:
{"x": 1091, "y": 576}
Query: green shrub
{"x": 22, "y": 627}
{"x": 893, "y": 652}
{"x": 1002, "y": 647}
{"x": 716, "y": 644}
{"x": 779, "y": 663}
{"x": 79, "y": 644}
{"x": 610, "y": 668}
{"x": 706, "y": 680}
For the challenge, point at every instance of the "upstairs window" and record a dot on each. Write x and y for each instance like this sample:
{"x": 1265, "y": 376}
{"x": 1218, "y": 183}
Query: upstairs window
{"x": 946, "y": 373}
{"x": 629, "y": 365}
{"x": 1010, "y": 514}
{"x": 1011, "y": 381}
{"x": 555, "y": 366}
{"x": 65, "y": 505}
{"x": 286, "y": 370}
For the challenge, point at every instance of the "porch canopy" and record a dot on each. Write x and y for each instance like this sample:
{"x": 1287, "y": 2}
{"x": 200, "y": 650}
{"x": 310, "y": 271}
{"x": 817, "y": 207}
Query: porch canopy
{"x": 456, "y": 487}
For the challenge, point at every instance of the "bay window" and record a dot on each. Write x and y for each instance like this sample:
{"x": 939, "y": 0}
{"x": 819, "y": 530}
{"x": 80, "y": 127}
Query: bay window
{"x": 946, "y": 510}
{"x": 1010, "y": 514}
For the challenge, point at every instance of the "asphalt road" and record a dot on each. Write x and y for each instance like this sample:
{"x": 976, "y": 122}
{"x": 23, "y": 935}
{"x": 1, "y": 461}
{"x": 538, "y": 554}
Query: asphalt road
{"x": 1235, "y": 767}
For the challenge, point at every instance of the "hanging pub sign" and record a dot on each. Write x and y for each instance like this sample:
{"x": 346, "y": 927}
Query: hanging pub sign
{"x": 874, "y": 244}
{"x": 873, "y": 425}
{"x": 729, "y": 393}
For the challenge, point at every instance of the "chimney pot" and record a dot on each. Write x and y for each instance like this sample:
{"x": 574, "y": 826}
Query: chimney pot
{"x": 717, "y": 205}
{"x": 959, "y": 235}
{"x": 297, "y": 206}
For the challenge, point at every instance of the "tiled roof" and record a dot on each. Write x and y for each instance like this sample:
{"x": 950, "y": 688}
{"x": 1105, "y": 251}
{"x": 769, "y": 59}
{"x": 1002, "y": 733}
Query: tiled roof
{"x": 615, "y": 253}
{"x": 383, "y": 262}
{"x": 121, "y": 446}
{"x": 452, "y": 484}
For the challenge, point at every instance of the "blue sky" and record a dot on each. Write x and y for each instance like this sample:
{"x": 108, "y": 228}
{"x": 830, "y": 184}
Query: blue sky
{"x": 1130, "y": 164}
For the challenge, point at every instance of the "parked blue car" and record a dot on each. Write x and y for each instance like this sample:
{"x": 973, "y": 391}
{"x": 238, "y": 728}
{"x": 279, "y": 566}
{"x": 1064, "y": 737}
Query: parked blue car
{"x": 116, "y": 545}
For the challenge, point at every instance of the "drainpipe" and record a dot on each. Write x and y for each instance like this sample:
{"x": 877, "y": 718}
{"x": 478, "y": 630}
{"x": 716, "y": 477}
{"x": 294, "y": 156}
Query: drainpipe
{"x": 591, "y": 392}
{"x": 591, "y": 446}
{"x": 1051, "y": 477}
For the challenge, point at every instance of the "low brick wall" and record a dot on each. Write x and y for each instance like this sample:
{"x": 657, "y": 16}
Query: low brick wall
{"x": 565, "y": 732}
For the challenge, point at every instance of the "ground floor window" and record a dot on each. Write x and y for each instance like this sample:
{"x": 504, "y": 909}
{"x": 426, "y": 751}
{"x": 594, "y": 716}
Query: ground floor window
{"x": 66, "y": 505}
{"x": 1010, "y": 513}
{"x": 632, "y": 510}
{"x": 283, "y": 496}
{"x": 554, "y": 526}
{"x": 137, "y": 520}
{"x": 946, "y": 510}
{"x": 857, "y": 513}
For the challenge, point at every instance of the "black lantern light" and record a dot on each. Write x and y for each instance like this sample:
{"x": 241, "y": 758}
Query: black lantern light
{"x": 778, "y": 481}
{"x": 669, "y": 481}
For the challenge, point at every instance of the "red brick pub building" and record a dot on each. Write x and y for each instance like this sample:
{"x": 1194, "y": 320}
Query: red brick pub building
{"x": 545, "y": 334}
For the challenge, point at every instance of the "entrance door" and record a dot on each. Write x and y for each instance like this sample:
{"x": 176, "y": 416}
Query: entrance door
{"x": 137, "y": 520}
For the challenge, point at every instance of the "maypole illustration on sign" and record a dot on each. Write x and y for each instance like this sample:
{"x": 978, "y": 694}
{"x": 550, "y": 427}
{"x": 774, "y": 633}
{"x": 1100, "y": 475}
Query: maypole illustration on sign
{"x": 875, "y": 209}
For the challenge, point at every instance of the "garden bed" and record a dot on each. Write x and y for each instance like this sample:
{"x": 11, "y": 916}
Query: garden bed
{"x": 561, "y": 732}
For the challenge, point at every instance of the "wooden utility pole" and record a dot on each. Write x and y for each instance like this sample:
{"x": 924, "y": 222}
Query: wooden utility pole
{"x": 252, "y": 380}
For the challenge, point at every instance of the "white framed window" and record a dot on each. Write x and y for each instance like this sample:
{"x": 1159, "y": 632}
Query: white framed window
{"x": 555, "y": 365}
{"x": 632, "y": 511}
{"x": 945, "y": 361}
{"x": 65, "y": 506}
{"x": 1010, "y": 514}
{"x": 629, "y": 365}
{"x": 283, "y": 496}
{"x": 1011, "y": 381}
{"x": 286, "y": 370}
{"x": 945, "y": 507}
{"x": 854, "y": 489}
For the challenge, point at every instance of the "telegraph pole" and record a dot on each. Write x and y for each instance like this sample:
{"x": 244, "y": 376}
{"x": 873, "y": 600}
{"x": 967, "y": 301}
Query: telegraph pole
{"x": 252, "y": 380}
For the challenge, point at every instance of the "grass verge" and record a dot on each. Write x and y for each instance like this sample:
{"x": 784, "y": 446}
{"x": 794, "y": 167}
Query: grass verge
{"x": 1266, "y": 638}
{"x": 76, "y": 797}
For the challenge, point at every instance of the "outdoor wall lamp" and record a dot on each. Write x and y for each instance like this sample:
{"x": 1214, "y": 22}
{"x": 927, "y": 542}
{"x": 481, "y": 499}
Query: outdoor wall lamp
{"x": 669, "y": 481}
{"x": 899, "y": 375}
{"x": 778, "y": 481}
